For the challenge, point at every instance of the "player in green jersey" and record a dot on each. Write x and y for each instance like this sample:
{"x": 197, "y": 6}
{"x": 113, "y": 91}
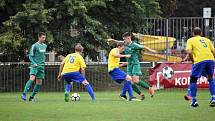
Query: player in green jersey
{"x": 133, "y": 68}
{"x": 37, "y": 74}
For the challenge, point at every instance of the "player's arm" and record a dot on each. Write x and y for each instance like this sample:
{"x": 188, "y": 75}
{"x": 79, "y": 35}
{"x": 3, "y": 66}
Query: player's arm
{"x": 83, "y": 66}
{"x": 122, "y": 64}
{"x": 82, "y": 71}
{"x": 212, "y": 48}
{"x": 149, "y": 49}
{"x": 213, "y": 53}
{"x": 189, "y": 54}
{"x": 121, "y": 55}
{"x": 60, "y": 69}
{"x": 113, "y": 41}
{"x": 31, "y": 55}
{"x": 117, "y": 55}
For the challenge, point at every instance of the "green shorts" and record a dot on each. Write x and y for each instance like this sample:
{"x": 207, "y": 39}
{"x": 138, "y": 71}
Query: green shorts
{"x": 134, "y": 70}
{"x": 38, "y": 72}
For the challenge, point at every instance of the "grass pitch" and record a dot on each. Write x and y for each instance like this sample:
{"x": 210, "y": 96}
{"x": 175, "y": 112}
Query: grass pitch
{"x": 167, "y": 105}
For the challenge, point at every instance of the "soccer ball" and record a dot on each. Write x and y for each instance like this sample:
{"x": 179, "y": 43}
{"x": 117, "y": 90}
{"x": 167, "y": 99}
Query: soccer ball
{"x": 167, "y": 72}
{"x": 75, "y": 97}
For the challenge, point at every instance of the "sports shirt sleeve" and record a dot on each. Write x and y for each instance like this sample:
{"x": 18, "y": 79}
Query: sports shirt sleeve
{"x": 138, "y": 46}
{"x": 211, "y": 45}
{"x": 82, "y": 63}
{"x": 189, "y": 45}
{"x": 31, "y": 54}
{"x": 114, "y": 52}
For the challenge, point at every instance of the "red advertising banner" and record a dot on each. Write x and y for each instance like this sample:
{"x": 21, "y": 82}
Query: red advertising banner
{"x": 168, "y": 75}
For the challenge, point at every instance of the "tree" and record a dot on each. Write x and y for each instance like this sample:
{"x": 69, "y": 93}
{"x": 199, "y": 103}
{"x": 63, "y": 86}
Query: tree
{"x": 67, "y": 22}
{"x": 168, "y": 7}
{"x": 192, "y": 8}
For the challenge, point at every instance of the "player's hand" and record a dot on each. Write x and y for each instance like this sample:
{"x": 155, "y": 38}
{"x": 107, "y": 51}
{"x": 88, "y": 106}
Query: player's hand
{"x": 35, "y": 65}
{"x": 128, "y": 56}
{"x": 59, "y": 77}
{"x": 123, "y": 64}
{"x": 182, "y": 60}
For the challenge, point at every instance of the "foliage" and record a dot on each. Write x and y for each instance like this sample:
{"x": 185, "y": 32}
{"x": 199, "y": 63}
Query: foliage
{"x": 192, "y": 8}
{"x": 67, "y": 22}
{"x": 10, "y": 40}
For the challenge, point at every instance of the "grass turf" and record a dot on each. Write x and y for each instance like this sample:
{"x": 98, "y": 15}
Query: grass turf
{"x": 167, "y": 105}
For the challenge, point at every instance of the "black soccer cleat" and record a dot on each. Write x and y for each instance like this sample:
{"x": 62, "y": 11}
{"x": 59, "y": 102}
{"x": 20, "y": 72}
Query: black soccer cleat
{"x": 124, "y": 97}
{"x": 142, "y": 96}
{"x": 212, "y": 103}
{"x": 31, "y": 99}
{"x": 194, "y": 104}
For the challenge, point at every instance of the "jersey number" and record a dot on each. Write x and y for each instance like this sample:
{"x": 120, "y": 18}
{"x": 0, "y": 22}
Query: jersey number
{"x": 71, "y": 59}
{"x": 203, "y": 43}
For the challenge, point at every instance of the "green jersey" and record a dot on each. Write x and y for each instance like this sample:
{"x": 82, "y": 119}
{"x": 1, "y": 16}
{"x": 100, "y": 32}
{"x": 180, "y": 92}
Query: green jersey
{"x": 37, "y": 53}
{"x": 133, "y": 49}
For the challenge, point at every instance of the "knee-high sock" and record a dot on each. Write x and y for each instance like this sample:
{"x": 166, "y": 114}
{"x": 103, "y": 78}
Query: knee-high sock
{"x": 136, "y": 89}
{"x": 127, "y": 87}
{"x": 67, "y": 87}
{"x": 188, "y": 91}
{"x": 144, "y": 84}
{"x": 212, "y": 88}
{"x": 36, "y": 90}
{"x": 124, "y": 89}
{"x": 193, "y": 89}
{"x": 27, "y": 86}
{"x": 90, "y": 91}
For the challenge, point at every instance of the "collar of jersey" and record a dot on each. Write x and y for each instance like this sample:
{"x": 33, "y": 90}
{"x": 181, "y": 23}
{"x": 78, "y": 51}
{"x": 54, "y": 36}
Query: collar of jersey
{"x": 39, "y": 43}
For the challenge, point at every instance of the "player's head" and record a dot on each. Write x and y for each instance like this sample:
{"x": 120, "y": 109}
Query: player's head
{"x": 121, "y": 46}
{"x": 41, "y": 37}
{"x": 197, "y": 31}
{"x": 79, "y": 48}
{"x": 126, "y": 37}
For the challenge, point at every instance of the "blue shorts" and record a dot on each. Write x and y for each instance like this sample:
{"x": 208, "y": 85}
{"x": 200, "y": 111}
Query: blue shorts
{"x": 118, "y": 75}
{"x": 204, "y": 68}
{"x": 73, "y": 77}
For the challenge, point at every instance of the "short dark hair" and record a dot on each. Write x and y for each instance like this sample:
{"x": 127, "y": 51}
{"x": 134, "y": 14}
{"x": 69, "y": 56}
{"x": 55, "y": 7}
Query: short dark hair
{"x": 120, "y": 44}
{"x": 79, "y": 47}
{"x": 197, "y": 31}
{"x": 126, "y": 34}
{"x": 41, "y": 34}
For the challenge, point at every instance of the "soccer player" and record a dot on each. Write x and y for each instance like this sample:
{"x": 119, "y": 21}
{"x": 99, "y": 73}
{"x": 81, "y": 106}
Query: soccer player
{"x": 72, "y": 69}
{"x": 37, "y": 74}
{"x": 133, "y": 68}
{"x": 117, "y": 74}
{"x": 202, "y": 51}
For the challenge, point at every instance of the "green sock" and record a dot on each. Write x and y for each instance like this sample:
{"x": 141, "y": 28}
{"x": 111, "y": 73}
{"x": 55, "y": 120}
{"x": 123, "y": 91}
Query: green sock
{"x": 36, "y": 90}
{"x": 27, "y": 86}
{"x": 143, "y": 84}
{"x": 136, "y": 89}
